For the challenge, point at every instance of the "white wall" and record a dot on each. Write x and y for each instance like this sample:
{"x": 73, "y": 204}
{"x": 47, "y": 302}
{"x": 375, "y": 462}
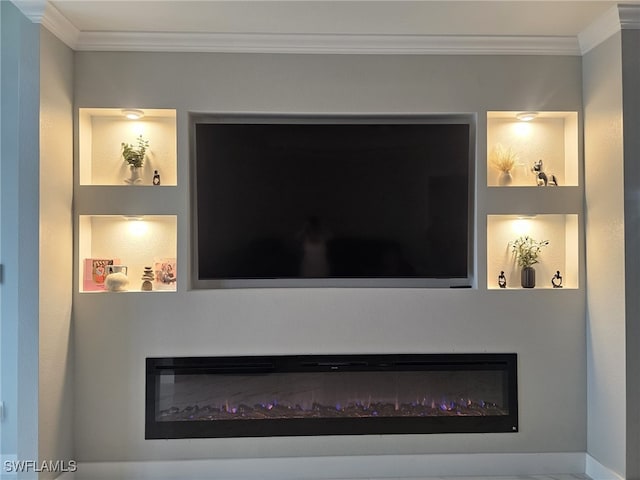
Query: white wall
{"x": 115, "y": 332}
{"x": 605, "y": 231}
{"x": 55, "y": 432}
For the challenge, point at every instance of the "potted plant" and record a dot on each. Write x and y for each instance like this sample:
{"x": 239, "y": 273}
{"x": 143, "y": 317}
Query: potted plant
{"x": 134, "y": 156}
{"x": 526, "y": 250}
{"x": 503, "y": 159}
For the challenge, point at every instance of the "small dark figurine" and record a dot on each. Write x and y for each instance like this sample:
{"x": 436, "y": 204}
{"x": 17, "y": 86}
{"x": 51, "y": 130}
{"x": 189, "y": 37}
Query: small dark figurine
{"x": 502, "y": 280}
{"x": 542, "y": 179}
{"x": 556, "y": 281}
{"x": 156, "y": 177}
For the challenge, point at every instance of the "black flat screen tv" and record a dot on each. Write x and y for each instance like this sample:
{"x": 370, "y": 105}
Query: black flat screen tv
{"x": 285, "y": 201}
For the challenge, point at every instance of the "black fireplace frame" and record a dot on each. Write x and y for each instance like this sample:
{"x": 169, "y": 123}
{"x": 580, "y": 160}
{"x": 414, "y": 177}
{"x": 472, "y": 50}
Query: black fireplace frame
{"x": 505, "y": 362}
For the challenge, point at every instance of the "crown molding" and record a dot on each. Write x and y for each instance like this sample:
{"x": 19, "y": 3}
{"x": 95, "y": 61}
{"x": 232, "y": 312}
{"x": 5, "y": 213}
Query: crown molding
{"x": 32, "y": 9}
{"x": 600, "y": 30}
{"x": 62, "y": 28}
{"x": 619, "y": 17}
{"x": 327, "y": 44}
{"x": 44, "y": 12}
{"x": 629, "y": 17}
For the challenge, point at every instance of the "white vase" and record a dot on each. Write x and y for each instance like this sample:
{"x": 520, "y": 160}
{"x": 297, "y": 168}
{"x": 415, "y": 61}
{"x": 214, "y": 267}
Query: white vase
{"x": 134, "y": 176}
{"x": 505, "y": 179}
{"x": 116, "y": 282}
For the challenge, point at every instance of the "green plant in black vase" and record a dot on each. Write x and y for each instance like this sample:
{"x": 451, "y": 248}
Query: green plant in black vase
{"x": 526, "y": 251}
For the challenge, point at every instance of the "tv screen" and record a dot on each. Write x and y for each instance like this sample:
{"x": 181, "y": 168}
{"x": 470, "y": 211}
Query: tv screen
{"x": 341, "y": 201}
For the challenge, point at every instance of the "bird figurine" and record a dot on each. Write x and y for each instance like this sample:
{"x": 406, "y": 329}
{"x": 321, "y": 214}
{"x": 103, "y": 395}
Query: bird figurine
{"x": 502, "y": 280}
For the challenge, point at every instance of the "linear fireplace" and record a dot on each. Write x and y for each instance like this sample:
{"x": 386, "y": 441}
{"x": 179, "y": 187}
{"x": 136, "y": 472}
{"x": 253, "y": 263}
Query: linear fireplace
{"x": 199, "y": 397}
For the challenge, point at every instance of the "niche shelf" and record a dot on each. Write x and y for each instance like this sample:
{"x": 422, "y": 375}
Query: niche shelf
{"x": 101, "y": 131}
{"x": 551, "y": 137}
{"x": 136, "y": 241}
{"x": 562, "y": 231}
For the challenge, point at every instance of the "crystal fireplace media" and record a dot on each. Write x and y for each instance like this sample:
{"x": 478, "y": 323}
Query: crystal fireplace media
{"x": 199, "y": 397}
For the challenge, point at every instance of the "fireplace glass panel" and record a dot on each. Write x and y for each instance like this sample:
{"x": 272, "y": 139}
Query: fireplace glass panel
{"x": 346, "y": 395}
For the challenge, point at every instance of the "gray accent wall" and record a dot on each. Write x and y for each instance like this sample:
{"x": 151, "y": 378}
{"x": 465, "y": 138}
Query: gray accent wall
{"x": 56, "y": 249}
{"x": 19, "y": 237}
{"x": 611, "y": 75}
{"x": 114, "y": 333}
{"x": 631, "y": 127}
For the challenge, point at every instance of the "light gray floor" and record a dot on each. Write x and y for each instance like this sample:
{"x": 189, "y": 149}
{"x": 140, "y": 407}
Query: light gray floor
{"x": 78, "y": 476}
{"x": 518, "y": 477}
{"x": 509, "y": 477}
{"x": 288, "y": 469}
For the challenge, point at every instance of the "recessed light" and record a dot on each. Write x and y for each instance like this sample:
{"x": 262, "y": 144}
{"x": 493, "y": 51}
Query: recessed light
{"x": 526, "y": 116}
{"x": 132, "y": 113}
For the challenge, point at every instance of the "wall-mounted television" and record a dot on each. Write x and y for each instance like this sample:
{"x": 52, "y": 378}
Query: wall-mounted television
{"x": 332, "y": 200}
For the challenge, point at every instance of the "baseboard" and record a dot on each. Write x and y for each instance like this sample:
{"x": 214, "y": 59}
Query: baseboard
{"x": 359, "y": 467}
{"x": 596, "y": 471}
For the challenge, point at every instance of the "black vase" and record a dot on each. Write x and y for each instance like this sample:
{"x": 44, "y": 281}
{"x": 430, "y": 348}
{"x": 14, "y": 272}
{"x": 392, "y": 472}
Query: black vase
{"x": 528, "y": 277}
